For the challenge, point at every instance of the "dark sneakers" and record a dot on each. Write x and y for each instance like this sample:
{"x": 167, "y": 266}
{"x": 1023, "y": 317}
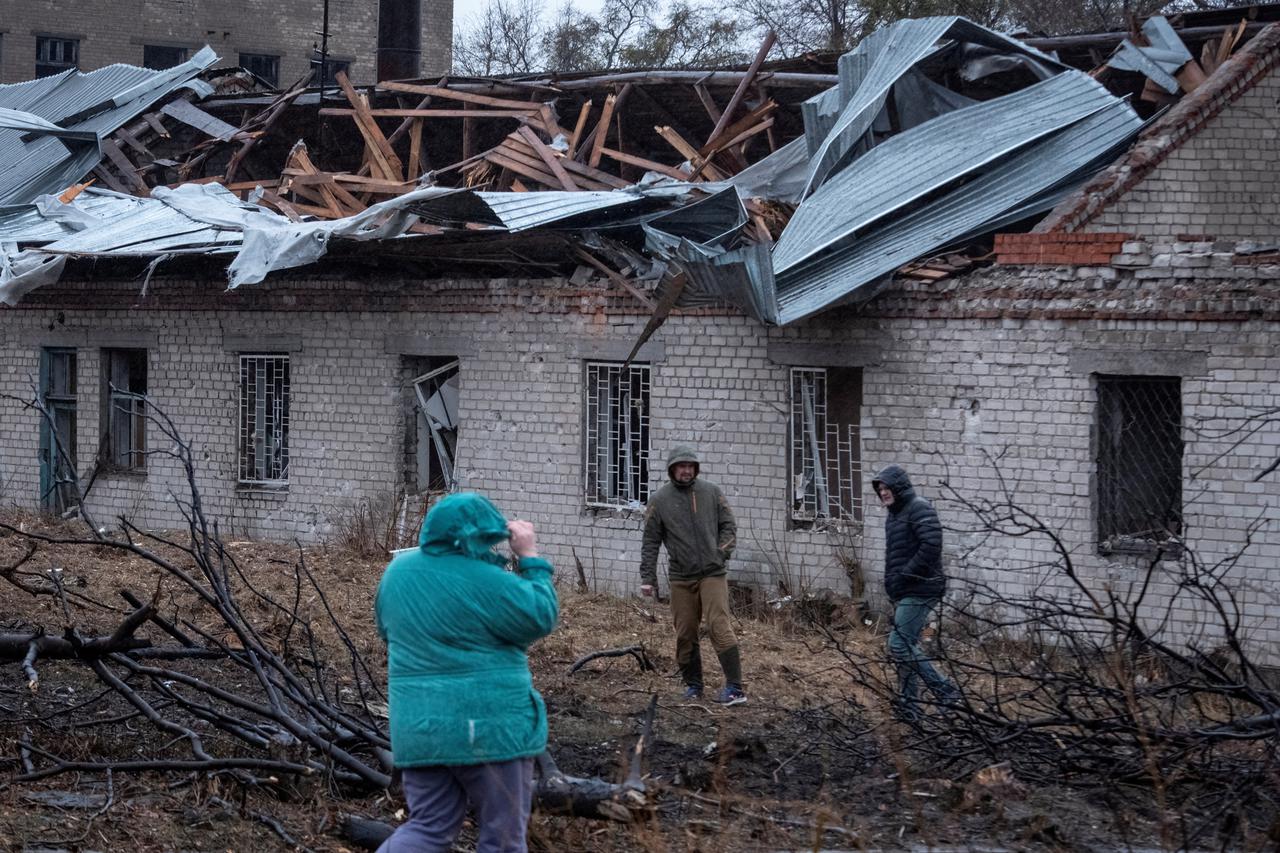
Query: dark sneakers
{"x": 692, "y": 693}
{"x": 730, "y": 694}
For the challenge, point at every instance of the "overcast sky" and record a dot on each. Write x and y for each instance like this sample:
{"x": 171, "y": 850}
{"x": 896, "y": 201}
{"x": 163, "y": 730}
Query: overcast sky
{"x": 463, "y": 10}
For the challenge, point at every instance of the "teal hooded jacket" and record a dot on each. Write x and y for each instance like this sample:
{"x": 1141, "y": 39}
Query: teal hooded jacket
{"x": 456, "y": 625}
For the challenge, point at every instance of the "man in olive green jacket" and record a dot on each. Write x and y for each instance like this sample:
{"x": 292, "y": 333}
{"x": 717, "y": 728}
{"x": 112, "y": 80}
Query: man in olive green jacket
{"x": 692, "y": 518}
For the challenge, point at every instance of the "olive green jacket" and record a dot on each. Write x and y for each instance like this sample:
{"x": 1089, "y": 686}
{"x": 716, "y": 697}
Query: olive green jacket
{"x": 696, "y": 525}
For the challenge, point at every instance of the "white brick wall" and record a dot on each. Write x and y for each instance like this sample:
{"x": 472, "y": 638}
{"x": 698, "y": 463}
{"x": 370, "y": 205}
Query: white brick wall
{"x": 1221, "y": 183}
{"x": 942, "y": 396}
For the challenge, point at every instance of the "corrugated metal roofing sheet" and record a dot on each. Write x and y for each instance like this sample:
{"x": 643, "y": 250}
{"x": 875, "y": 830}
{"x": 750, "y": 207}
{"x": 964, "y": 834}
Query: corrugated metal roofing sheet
{"x": 907, "y": 167}
{"x": 830, "y": 278}
{"x": 97, "y": 103}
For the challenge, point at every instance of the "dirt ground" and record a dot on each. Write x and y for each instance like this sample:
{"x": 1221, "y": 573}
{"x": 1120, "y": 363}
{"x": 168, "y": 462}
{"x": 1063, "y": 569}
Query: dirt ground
{"x": 798, "y": 767}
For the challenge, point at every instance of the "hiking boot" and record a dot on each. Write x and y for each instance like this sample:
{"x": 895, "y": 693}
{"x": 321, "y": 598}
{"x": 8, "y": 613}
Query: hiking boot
{"x": 692, "y": 693}
{"x": 730, "y": 694}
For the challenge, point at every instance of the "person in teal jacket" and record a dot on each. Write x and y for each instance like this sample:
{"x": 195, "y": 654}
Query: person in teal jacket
{"x": 466, "y": 721}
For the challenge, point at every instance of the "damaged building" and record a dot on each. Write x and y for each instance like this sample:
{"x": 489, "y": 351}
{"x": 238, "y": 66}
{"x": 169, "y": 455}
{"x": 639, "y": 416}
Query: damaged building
{"x": 948, "y": 249}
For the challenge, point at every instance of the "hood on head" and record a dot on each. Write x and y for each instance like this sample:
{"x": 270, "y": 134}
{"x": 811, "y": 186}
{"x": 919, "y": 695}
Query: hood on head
{"x": 465, "y": 523}
{"x": 683, "y": 453}
{"x": 895, "y": 477}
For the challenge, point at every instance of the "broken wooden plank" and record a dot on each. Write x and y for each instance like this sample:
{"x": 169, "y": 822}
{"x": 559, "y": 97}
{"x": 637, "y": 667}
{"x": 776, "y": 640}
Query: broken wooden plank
{"x": 127, "y": 169}
{"x": 578, "y": 127}
{"x": 263, "y": 123}
{"x": 300, "y": 159}
{"x": 249, "y": 185}
{"x": 383, "y": 155}
{"x": 708, "y": 103}
{"x": 464, "y": 97}
{"x": 521, "y": 168}
{"x": 743, "y": 85}
{"x": 686, "y": 150}
{"x": 428, "y": 113}
{"x": 616, "y": 277}
{"x": 192, "y": 116}
{"x": 549, "y": 158}
{"x": 156, "y": 125}
{"x": 602, "y": 131}
{"x": 134, "y": 142}
{"x": 750, "y": 119}
{"x": 415, "y": 150}
{"x": 516, "y": 150}
{"x": 650, "y": 165}
{"x": 104, "y": 174}
{"x": 605, "y": 179}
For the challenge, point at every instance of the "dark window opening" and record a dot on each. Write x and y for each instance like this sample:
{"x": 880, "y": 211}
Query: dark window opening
{"x": 55, "y": 55}
{"x": 262, "y": 65}
{"x": 1139, "y": 462}
{"x": 431, "y": 428}
{"x": 617, "y": 435}
{"x": 58, "y": 465}
{"x": 825, "y": 459}
{"x": 124, "y": 418}
{"x": 158, "y": 57}
{"x": 327, "y": 71}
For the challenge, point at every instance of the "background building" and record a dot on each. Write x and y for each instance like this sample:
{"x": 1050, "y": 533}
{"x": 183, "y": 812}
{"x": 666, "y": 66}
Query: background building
{"x": 277, "y": 40}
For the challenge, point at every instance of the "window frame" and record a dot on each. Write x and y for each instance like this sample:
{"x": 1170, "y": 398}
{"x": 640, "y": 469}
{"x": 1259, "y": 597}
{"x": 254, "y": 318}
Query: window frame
{"x": 47, "y": 66}
{"x": 132, "y": 403}
{"x": 253, "y": 464}
{"x": 182, "y": 53}
{"x": 632, "y": 445}
{"x": 245, "y": 58}
{"x": 1112, "y": 507}
{"x": 845, "y": 504}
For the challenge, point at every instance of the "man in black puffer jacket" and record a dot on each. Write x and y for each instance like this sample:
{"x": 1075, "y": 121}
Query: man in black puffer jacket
{"x": 914, "y": 581}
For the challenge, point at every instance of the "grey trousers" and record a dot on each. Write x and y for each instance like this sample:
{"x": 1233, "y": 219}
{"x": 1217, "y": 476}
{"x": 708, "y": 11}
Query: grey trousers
{"x": 501, "y": 794}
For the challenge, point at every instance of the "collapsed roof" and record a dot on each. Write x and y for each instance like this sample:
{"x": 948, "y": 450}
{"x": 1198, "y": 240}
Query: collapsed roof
{"x": 811, "y": 189}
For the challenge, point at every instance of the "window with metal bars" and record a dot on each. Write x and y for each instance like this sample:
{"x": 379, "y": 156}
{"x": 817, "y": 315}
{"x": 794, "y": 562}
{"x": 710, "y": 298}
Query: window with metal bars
{"x": 124, "y": 421}
{"x": 264, "y": 420}
{"x": 825, "y": 462}
{"x": 617, "y": 434}
{"x": 1139, "y": 478}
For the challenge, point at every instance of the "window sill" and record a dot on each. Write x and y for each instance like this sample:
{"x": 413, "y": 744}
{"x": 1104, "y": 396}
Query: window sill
{"x": 1121, "y": 547}
{"x": 256, "y": 491}
{"x": 827, "y": 525}
{"x": 123, "y": 473}
{"x": 635, "y": 511}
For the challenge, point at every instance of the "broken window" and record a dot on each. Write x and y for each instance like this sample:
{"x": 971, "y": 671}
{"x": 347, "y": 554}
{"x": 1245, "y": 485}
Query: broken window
{"x": 825, "y": 445}
{"x": 432, "y": 434}
{"x": 263, "y": 65}
{"x": 326, "y": 70}
{"x": 124, "y": 420}
{"x": 158, "y": 57}
{"x": 58, "y": 464}
{"x": 55, "y": 55}
{"x": 1139, "y": 461}
{"x": 617, "y": 434}
{"x": 264, "y": 420}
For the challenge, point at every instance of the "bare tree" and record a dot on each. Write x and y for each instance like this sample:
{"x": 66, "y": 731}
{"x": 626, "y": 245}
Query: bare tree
{"x": 505, "y": 39}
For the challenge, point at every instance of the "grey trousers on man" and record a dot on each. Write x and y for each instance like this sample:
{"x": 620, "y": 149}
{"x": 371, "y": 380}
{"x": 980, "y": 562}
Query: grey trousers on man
{"x": 501, "y": 794}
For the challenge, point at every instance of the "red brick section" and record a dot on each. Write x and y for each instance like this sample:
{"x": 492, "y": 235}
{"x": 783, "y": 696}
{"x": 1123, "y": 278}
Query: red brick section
{"x": 1058, "y": 249}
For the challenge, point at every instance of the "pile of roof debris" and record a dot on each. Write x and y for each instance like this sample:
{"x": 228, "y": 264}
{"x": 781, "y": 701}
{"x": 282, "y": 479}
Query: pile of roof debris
{"x": 810, "y": 189}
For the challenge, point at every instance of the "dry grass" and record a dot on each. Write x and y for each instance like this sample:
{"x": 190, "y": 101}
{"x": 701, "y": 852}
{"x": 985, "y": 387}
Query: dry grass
{"x": 798, "y": 767}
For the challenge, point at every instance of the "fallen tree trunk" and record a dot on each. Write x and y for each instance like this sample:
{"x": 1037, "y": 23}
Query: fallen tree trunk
{"x": 556, "y": 793}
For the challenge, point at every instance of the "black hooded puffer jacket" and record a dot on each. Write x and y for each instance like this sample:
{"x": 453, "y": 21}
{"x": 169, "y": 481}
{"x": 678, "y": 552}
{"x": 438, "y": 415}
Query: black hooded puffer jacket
{"x": 912, "y": 541}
